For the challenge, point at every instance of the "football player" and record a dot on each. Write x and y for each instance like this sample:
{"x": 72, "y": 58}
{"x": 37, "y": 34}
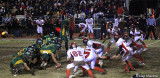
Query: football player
{"x": 138, "y": 35}
{"x": 78, "y": 56}
{"x": 82, "y": 27}
{"x": 21, "y": 62}
{"x": 46, "y": 50}
{"x": 89, "y": 22}
{"x": 116, "y": 34}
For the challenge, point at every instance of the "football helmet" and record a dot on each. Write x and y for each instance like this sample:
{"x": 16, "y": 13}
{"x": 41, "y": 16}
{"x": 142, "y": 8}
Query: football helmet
{"x": 90, "y": 43}
{"x": 85, "y": 40}
{"x": 73, "y": 45}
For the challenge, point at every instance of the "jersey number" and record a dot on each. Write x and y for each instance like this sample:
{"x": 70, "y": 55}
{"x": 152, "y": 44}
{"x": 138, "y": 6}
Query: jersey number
{"x": 87, "y": 53}
{"x": 75, "y": 54}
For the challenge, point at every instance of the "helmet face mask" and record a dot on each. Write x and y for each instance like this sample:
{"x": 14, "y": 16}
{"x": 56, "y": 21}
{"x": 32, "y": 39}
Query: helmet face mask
{"x": 28, "y": 54}
{"x": 39, "y": 42}
{"x": 59, "y": 40}
{"x": 30, "y": 49}
{"x": 53, "y": 41}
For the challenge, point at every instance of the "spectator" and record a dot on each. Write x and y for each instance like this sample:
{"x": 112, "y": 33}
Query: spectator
{"x": 151, "y": 23}
{"x": 157, "y": 11}
{"x": 130, "y": 21}
{"x": 83, "y": 15}
{"x": 120, "y": 10}
{"x": 29, "y": 27}
{"x": 116, "y": 21}
{"x": 82, "y": 2}
{"x": 8, "y": 21}
{"x": 16, "y": 26}
{"x": 71, "y": 27}
{"x": 14, "y": 10}
{"x": 158, "y": 27}
{"x": 141, "y": 23}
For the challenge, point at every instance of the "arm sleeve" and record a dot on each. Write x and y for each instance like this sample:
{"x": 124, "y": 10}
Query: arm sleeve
{"x": 84, "y": 27}
{"x": 86, "y": 21}
{"x": 92, "y": 21}
{"x": 68, "y": 54}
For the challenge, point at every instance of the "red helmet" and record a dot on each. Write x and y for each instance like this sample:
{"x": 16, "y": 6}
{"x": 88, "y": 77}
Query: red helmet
{"x": 85, "y": 40}
{"x": 73, "y": 45}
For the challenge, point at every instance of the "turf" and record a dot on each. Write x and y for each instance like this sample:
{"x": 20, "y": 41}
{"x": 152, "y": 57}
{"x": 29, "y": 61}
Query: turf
{"x": 114, "y": 67}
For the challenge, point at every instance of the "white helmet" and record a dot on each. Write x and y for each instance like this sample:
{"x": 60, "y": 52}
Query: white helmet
{"x": 73, "y": 45}
{"x": 90, "y": 43}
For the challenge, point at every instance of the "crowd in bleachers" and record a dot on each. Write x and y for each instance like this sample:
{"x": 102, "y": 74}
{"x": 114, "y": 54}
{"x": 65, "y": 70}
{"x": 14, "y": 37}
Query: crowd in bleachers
{"x": 60, "y": 8}
{"x": 54, "y": 11}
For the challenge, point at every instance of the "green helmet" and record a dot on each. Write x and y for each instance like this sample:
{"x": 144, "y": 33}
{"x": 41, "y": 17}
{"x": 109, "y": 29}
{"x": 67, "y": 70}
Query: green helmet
{"x": 58, "y": 45}
{"x": 52, "y": 41}
{"x": 59, "y": 40}
{"x": 52, "y": 34}
{"x": 27, "y": 54}
{"x": 30, "y": 49}
{"x": 33, "y": 46}
{"x": 39, "y": 41}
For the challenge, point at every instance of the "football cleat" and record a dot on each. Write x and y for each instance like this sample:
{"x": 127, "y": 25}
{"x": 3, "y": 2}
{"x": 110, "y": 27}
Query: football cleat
{"x": 145, "y": 49}
{"x": 105, "y": 72}
{"x": 141, "y": 63}
{"x": 100, "y": 63}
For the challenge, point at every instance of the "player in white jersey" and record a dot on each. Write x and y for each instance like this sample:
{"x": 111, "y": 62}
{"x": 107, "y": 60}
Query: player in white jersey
{"x": 78, "y": 56}
{"x": 82, "y": 27}
{"x": 138, "y": 35}
{"x": 99, "y": 50}
{"x": 129, "y": 47}
{"x": 91, "y": 58}
{"x": 124, "y": 44}
{"x": 99, "y": 47}
{"x": 40, "y": 23}
{"x": 116, "y": 34}
{"x": 89, "y": 22}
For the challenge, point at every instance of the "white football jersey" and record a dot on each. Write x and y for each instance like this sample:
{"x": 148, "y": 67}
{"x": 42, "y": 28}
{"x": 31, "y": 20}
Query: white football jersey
{"x": 41, "y": 22}
{"x": 76, "y": 53}
{"x": 89, "y": 21}
{"x": 89, "y": 54}
{"x": 119, "y": 42}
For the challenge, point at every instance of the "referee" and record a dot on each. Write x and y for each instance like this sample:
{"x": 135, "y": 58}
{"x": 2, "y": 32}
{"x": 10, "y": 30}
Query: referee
{"x": 151, "y": 23}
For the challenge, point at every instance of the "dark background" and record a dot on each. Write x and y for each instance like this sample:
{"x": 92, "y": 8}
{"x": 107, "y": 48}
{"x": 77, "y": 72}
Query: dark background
{"x": 138, "y": 7}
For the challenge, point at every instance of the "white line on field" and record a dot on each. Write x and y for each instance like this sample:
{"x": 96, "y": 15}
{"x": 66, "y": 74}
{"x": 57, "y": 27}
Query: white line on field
{"x": 153, "y": 43}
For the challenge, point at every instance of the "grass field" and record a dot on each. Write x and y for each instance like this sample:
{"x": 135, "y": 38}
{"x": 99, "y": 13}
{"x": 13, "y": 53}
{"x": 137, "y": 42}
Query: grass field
{"x": 114, "y": 67}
